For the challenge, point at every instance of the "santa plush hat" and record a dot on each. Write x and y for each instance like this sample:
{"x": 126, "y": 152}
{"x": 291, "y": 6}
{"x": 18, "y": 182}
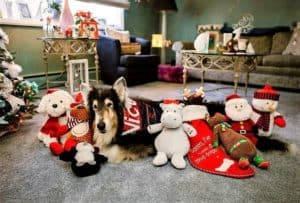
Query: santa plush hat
{"x": 170, "y": 101}
{"x": 233, "y": 98}
{"x": 50, "y": 91}
{"x": 267, "y": 93}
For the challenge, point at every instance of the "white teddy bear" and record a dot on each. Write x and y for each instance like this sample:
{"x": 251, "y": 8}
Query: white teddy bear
{"x": 85, "y": 154}
{"x": 55, "y": 104}
{"x": 172, "y": 142}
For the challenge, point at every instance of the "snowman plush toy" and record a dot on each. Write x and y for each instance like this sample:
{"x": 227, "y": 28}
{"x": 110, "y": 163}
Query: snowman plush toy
{"x": 265, "y": 103}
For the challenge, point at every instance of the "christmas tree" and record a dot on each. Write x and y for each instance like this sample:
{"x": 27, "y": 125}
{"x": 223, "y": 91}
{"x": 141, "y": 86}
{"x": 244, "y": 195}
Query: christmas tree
{"x": 16, "y": 94}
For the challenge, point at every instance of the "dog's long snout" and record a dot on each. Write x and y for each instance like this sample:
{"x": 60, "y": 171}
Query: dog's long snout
{"x": 54, "y": 105}
{"x": 101, "y": 126}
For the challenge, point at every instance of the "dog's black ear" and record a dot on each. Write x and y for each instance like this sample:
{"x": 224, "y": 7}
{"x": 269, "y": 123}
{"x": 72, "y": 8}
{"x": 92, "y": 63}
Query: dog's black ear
{"x": 120, "y": 86}
{"x": 91, "y": 96}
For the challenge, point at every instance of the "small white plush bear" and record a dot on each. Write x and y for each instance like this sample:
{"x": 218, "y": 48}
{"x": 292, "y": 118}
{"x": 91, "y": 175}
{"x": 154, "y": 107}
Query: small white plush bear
{"x": 172, "y": 142}
{"x": 85, "y": 154}
{"x": 56, "y": 103}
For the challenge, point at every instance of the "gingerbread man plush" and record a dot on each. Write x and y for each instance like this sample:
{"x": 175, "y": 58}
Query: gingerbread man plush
{"x": 236, "y": 145}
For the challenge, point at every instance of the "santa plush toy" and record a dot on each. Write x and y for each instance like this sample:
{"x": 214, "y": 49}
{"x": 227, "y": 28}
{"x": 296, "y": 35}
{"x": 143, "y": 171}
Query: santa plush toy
{"x": 265, "y": 103}
{"x": 239, "y": 113}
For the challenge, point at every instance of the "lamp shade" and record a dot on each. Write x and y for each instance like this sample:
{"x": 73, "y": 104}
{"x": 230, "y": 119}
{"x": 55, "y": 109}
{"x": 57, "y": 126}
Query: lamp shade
{"x": 165, "y": 5}
{"x": 157, "y": 41}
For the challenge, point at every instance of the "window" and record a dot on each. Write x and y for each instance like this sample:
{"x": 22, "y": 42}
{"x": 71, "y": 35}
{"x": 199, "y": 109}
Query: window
{"x": 29, "y": 12}
{"x": 107, "y": 15}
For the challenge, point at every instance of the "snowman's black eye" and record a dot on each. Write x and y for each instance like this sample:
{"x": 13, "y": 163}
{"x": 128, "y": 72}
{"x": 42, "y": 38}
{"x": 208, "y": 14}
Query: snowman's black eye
{"x": 236, "y": 106}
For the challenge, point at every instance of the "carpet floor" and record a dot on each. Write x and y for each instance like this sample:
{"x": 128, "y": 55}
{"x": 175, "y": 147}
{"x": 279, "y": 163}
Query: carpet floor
{"x": 30, "y": 173}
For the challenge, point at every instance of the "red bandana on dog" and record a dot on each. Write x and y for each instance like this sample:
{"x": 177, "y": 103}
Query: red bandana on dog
{"x": 138, "y": 116}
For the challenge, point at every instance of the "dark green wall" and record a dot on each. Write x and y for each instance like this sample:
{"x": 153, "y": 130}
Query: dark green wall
{"x": 182, "y": 25}
{"x": 23, "y": 41}
{"x": 141, "y": 20}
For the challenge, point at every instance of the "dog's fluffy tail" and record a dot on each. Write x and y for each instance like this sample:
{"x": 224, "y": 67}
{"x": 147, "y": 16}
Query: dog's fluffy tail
{"x": 266, "y": 144}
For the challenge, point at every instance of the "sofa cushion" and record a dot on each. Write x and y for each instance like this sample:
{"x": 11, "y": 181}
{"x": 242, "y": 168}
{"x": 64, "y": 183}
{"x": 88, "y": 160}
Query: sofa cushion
{"x": 275, "y": 70}
{"x": 294, "y": 44}
{"x": 261, "y": 44}
{"x": 123, "y": 36}
{"x": 259, "y": 60}
{"x": 139, "y": 61}
{"x": 258, "y": 31}
{"x": 281, "y": 60}
{"x": 280, "y": 42}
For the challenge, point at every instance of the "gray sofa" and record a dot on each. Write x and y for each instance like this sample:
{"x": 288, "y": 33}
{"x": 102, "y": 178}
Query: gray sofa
{"x": 272, "y": 67}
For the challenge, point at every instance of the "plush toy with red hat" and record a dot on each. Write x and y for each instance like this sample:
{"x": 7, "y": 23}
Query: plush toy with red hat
{"x": 78, "y": 123}
{"x": 172, "y": 142}
{"x": 239, "y": 113}
{"x": 55, "y": 104}
{"x": 265, "y": 103}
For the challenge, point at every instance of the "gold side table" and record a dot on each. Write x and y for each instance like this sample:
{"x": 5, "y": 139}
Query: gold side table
{"x": 238, "y": 63}
{"x": 68, "y": 48}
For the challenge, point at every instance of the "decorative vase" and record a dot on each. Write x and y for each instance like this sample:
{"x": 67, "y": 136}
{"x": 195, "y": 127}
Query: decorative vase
{"x": 201, "y": 42}
{"x": 66, "y": 18}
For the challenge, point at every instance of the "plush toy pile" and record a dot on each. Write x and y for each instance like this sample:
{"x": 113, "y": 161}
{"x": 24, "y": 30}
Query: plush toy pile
{"x": 218, "y": 143}
{"x": 226, "y": 144}
{"x": 16, "y": 95}
{"x": 67, "y": 133}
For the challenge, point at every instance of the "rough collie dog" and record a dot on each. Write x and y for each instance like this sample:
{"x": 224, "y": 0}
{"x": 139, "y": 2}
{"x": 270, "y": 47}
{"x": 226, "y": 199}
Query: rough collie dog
{"x": 120, "y": 123}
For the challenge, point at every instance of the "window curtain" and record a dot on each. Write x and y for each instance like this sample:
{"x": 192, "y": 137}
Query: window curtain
{"x": 116, "y": 3}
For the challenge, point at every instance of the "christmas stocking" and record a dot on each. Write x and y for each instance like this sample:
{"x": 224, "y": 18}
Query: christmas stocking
{"x": 202, "y": 155}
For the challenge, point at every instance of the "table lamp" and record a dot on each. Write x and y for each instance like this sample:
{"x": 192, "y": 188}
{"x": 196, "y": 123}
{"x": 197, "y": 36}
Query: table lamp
{"x": 157, "y": 41}
{"x": 164, "y": 6}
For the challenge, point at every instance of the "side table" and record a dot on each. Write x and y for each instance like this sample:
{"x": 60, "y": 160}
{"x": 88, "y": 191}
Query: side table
{"x": 236, "y": 62}
{"x": 68, "y": 48}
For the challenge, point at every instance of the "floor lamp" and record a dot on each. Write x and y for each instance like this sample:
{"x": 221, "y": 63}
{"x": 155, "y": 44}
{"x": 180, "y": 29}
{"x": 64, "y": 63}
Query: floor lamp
{"x": 164, "y": 6}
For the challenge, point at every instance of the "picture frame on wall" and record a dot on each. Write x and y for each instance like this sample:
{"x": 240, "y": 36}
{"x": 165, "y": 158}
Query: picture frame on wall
{"x": 213, "y": 41}
{"x": 78, "y": 74}
{"x": 9, "y": 9}
{"x": 24, "y": 10}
